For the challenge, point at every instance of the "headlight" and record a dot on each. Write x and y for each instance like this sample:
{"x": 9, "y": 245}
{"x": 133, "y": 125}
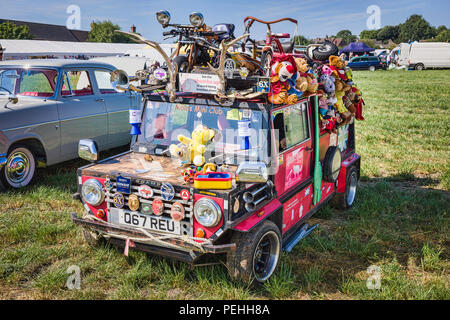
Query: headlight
{"x": 196, "y": 19}
{"x": 207, "y": 212}
{"x": 163, "y": 17}
{"x": 92, "y": 192}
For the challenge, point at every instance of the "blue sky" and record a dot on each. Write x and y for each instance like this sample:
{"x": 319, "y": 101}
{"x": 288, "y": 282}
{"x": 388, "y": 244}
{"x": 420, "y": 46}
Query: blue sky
{"x": 316, "y": 17}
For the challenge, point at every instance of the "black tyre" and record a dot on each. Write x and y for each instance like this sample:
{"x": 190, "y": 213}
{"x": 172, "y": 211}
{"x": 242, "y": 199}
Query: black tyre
{"x": 419, "y": 66}
{"x": 332, "y": 164}
{"x": 266, "y": 59}
{"x": 20, "y": 168}
{"x": 324, "y": 51}
{"x": 93, "y": 239}
{"x": 346, "y": 200}
{"x": 257, "y": 254}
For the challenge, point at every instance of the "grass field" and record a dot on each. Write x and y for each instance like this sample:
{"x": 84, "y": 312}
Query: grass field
{"x": 399, "y": 224}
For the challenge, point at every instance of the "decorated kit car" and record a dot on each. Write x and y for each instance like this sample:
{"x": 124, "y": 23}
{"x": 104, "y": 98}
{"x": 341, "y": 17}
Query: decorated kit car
{"x": 211, "y": 176}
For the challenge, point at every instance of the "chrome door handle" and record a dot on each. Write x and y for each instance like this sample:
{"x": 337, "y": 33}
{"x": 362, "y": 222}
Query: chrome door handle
{"x": 100, "y": 100}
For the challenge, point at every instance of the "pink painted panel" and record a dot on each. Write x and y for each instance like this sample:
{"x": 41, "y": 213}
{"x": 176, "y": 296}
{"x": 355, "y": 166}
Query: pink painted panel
{"x": 248, "y": 223}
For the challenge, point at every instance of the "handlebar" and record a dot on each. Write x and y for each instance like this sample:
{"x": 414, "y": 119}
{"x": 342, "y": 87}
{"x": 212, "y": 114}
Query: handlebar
{"x": 269, "y": 22}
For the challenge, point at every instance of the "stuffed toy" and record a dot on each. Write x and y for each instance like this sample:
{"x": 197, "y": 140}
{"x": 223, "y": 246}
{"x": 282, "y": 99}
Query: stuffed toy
{"x": 337, "y": 66}
{"x": 195, "y": 146}
{"x": 282, "y": 91}
{"x": 340, "y": 107}
{"x": 306, "y": 73}
{"x": 328, "y": 83}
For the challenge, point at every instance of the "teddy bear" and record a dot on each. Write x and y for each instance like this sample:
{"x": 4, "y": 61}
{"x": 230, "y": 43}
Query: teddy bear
{"x": 306, "y": 73}
{"x": 195, "y": 147}
{"x": 338, "y": 67}
{"x": 327, "y": 82}
{"x": 282, "y": 91}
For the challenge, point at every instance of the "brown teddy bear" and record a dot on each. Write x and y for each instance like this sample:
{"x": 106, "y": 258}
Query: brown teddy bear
{"x": 307, "y": 80}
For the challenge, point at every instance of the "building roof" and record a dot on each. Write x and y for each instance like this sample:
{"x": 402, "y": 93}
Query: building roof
{"x": 337, "y": 41}
{"x": 43, "y": 31}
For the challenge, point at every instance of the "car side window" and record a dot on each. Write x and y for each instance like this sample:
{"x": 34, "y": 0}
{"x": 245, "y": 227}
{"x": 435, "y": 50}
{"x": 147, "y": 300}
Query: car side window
{"x": 291, "y": 124}
{"x": 103, "y": 82}
{"x": 296, "y": 124}
{"x": 76, "y": 83}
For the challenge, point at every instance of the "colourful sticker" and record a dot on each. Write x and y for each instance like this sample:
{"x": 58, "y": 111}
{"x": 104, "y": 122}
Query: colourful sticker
{"x": 177, "y": 211}
{"x": 118, "y": 200}
{"x": 123, "y": 185}
{"x": 167, "y": 191}
{"x": 158, "y": 207}
{"x": 133, "y": 202}
{"x": 185, "y": 195}
{"x": 145, "y": 191}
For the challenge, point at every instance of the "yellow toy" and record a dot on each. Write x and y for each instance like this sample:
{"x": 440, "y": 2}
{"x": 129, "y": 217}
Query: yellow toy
{"x": 195, "y": 147}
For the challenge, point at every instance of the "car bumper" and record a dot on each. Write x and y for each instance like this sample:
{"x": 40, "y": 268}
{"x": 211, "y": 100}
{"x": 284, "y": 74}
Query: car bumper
{"x": 177, "y": 247}
{"x": 3, "y": 160}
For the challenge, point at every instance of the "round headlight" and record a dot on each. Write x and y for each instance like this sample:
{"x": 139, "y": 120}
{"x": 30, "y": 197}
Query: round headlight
{"x": 196, "y": 19}
{"x": 163, "y": 17}
{"x": 92, "y": 192}
{"x": 207, "y": 212}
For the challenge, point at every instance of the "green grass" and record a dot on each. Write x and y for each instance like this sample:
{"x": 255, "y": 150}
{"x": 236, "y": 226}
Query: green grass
{"x": 399, "y": 223}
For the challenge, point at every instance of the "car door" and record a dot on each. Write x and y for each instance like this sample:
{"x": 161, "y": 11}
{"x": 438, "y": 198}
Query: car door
{"x": 82, "y": 112}
{"x": 117, "y": 106}
{"x": 292, "y": 123}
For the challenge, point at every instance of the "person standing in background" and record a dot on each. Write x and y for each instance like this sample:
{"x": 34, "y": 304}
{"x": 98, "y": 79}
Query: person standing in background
{"x": 1, "y": 52}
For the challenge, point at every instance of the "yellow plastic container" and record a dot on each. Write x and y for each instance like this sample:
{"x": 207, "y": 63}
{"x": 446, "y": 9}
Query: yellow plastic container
{"x": 213, "y": 180}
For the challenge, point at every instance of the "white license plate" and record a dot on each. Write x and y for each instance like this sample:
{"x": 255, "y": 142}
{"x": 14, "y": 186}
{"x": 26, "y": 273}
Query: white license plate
{"x": 162, "y": 224}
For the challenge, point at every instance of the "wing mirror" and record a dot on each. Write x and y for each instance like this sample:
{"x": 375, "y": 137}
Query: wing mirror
{"x": 253, "y": 172}
{"x": 13, "y": 98}
{"x": 87, "y": 150}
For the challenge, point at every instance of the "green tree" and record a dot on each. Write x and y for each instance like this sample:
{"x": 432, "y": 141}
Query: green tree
{"x": 416, "y": 28}
{"x": 440, "y": 29}
{"x": 369, "y": 34}
{"x": 9, "y": 30}
{"x": 104, "y": 31}
{"x": 346, "y": 35}
{"x": 388, "y": 32}
{"x": 443, "y": 36}
{"x": 301, "y": 40}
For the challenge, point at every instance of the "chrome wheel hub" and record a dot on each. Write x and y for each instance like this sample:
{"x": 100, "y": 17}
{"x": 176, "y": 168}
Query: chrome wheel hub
{"x": 266, "y": 256}
{"x": 17, "y": 167}
{"x": 352, "y": 188}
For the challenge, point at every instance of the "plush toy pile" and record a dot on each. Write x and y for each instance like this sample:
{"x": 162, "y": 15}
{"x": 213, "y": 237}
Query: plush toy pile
{"x": 340, "y": 100}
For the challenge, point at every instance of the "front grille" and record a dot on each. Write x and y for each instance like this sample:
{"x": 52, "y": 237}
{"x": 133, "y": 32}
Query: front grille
{"x": 186, "y": 223}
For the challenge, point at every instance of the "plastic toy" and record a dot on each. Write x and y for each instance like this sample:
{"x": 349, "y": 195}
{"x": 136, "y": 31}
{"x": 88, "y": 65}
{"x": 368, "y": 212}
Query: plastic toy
{"x": 213, "y": 180}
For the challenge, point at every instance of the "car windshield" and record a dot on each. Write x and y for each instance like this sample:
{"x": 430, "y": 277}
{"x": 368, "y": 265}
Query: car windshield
{"x": 32, "y": 82}
{"x": 163, "y": 122}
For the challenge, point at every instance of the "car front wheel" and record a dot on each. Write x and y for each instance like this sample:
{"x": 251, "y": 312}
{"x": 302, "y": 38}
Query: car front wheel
{"x": 257, "y": 253}
{"x": 20, "y": 168}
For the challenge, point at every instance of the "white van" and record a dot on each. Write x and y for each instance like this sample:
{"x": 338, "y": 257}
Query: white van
{"x": 423, "y": 55}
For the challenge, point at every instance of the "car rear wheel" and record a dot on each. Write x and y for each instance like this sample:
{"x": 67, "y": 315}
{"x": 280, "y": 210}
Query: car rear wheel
{"x": 419, "y": 67}
{"x": 257, "y": 254}
{"x": 20, "y": 168}
{"x": 346, "y": 199}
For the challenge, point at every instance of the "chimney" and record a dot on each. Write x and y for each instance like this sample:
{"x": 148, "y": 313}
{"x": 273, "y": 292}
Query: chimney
{"x": 133, "y": 28}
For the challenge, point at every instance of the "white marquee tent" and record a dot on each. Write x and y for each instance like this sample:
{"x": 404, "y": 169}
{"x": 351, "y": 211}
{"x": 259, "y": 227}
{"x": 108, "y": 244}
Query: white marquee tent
{"x": 23, "y": 49}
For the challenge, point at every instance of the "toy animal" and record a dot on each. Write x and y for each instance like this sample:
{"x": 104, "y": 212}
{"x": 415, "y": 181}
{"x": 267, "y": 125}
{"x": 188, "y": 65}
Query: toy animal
{"x": 283, "y": 68}
{"x": 195, "y": 146}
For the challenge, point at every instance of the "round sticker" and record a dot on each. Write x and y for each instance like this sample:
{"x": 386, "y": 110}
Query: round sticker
{"x": 160, "y": 74}
{"x": 236, "y": 205}
{"x": 158, "y": 207}
{"x": 177, "y": 211}
{"x": 133, "y": 202}
{"x": 167, "y": 191}
{"x": 185, "y": 195}
{"x": 118, "y": 200}
{"x": 146, "y": 208}
{"x": 145, "y": 191}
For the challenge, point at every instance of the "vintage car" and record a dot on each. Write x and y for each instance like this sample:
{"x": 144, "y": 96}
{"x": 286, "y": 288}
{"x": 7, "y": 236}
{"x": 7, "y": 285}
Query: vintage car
{"x": 47, "y": 106}
{"x": 142, "y": 197}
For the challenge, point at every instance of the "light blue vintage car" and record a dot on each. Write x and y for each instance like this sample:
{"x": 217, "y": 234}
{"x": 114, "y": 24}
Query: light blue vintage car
{"x": 47, "y": 106}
